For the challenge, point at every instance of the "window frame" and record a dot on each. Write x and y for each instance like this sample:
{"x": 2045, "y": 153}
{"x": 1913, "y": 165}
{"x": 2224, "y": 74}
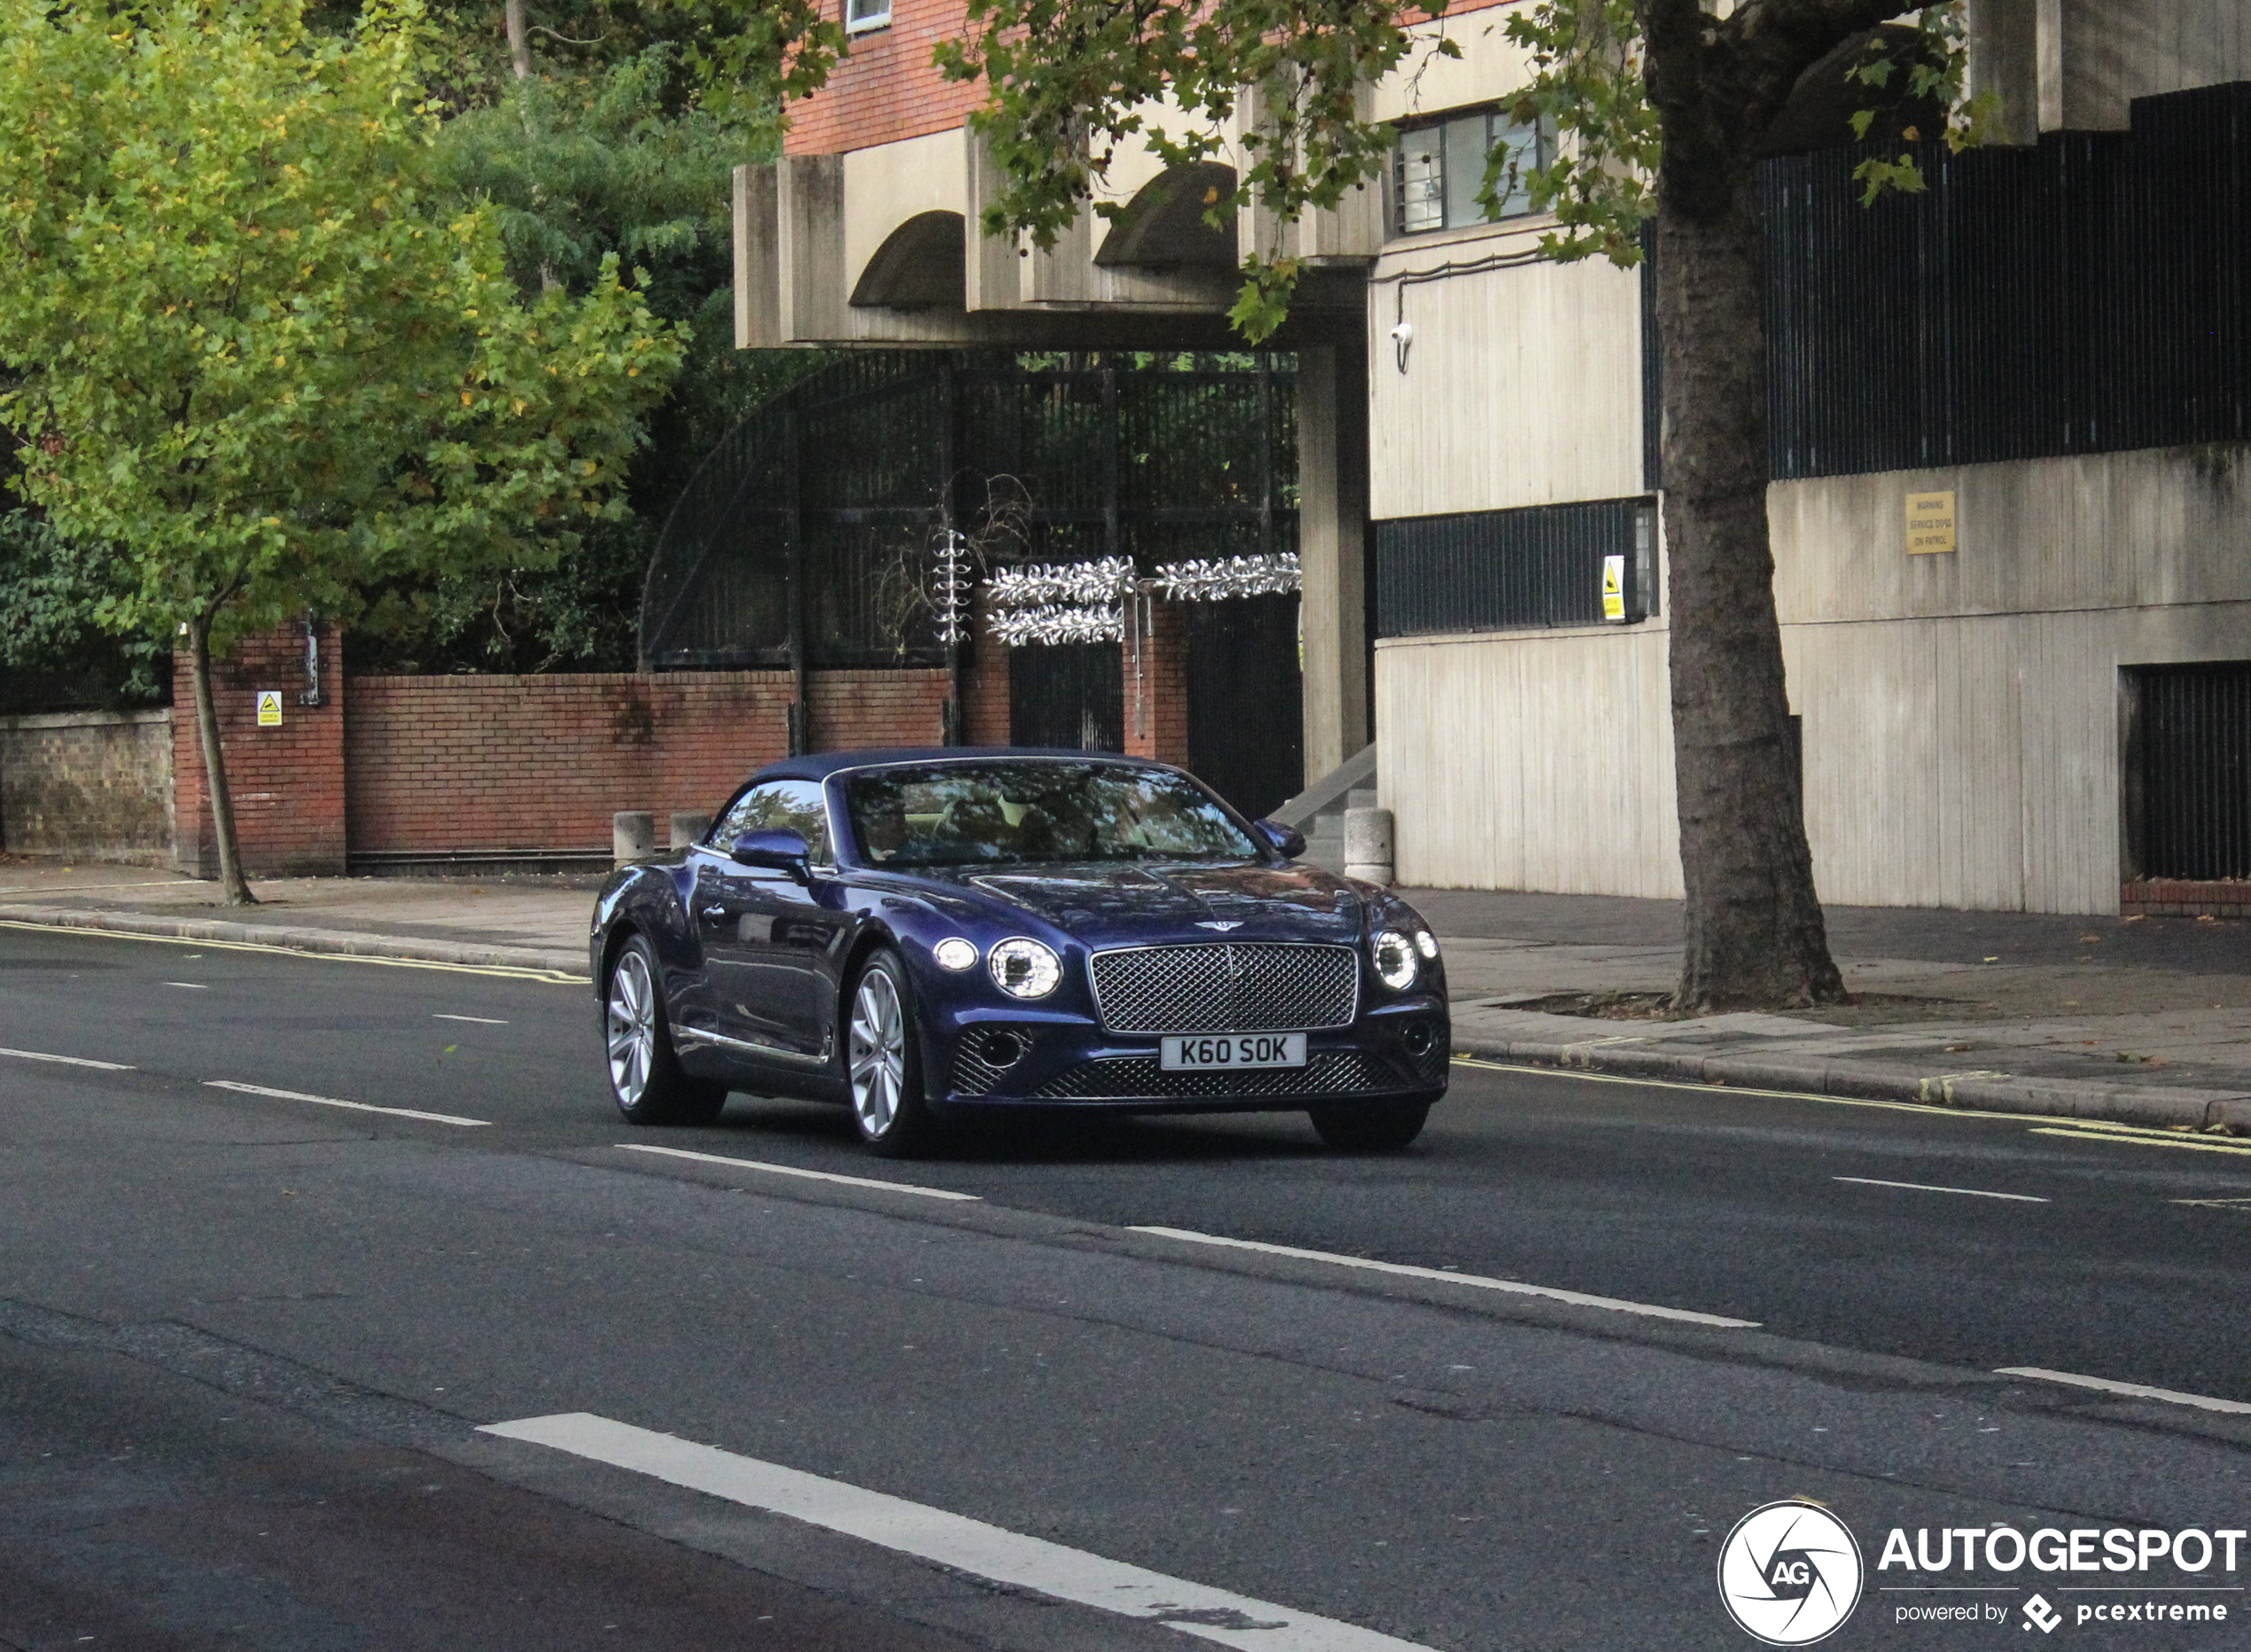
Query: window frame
{"x": 1497, "y": 122}
{"x": 716, "y": 838}
{"x": 870, "y": 23}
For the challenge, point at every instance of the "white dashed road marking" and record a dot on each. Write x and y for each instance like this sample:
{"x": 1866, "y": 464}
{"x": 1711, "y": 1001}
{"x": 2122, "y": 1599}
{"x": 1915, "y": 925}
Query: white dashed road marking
{"x": 985, "y": 1551}
{"x": 67, "y": 1061}
{"x": 1925, "y": 1186}
{"x": 2132, "y": 1391}
{"x": 1481, "y": 1282}
{"x": 357, "y": 1107}
{"x": 482, "y": 1021}
{"x": 791, "y": 1170}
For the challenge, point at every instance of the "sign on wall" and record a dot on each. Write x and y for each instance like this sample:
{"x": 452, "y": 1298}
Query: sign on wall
{"x": 269, "y": 708}
{"x": 1931, "y": 524}
{"x": 1614, "y": 587}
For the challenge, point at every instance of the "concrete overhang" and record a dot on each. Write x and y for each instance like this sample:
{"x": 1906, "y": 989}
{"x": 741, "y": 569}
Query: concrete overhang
{"x": 882, "y": 245}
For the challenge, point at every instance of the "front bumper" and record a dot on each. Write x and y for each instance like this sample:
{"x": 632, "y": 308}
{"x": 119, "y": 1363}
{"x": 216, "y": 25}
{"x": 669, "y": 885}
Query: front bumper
{"x": 1398, "y": 1051}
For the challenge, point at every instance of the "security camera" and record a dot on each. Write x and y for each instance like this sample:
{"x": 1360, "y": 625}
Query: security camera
{"x": 1402, "y": 336}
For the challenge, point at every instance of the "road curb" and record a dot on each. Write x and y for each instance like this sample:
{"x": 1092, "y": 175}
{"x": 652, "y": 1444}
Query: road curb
{"x": 325, "y": 942}
{"x": 1860, "y": 1080}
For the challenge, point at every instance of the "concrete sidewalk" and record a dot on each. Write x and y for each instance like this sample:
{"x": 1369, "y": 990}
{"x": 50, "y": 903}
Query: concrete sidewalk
{"x": 2141, "y": 1020}
{"x": 2138, "y": 1020}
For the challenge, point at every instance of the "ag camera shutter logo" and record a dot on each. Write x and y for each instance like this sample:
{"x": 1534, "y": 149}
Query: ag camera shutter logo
{"x": 1790, "y": 1573}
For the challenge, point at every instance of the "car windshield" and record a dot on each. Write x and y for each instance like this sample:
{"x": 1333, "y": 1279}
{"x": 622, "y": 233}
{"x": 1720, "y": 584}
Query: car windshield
{"x": 988, "y": 814}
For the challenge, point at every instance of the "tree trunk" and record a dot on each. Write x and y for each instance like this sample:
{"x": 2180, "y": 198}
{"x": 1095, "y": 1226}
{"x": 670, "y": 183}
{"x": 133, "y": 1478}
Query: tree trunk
{"x": 231, "y": 885}
{"x": 1755, "y": 936}
{"x": 519, "y": 38}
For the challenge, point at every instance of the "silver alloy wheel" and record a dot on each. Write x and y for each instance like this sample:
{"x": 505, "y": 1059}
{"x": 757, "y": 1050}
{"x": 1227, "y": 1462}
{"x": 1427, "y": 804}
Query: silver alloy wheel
{"x": 878, "y": 1053}
{"x": 632, "y": 1028}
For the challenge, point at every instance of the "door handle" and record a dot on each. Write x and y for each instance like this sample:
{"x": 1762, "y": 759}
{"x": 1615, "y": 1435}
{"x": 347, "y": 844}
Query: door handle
{"x": 715, "y": 912}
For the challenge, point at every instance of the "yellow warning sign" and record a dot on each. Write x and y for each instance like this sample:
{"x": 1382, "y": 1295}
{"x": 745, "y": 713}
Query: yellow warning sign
{"x": 1614, "y": 587}
{"x": 1931, "y": 524}
{"x": 269, "y": 708}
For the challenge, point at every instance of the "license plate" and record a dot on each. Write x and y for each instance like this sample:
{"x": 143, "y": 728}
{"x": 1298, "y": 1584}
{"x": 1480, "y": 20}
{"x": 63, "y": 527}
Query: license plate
{"x": 1203, "y": 1053}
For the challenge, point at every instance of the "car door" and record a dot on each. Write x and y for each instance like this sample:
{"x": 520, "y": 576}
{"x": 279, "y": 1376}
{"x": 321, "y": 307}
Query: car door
{"x": 765, "y": 936}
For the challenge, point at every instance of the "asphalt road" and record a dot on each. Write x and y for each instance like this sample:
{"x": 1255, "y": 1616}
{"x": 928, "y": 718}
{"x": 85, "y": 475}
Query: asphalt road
{"x": 218, "y": 1303}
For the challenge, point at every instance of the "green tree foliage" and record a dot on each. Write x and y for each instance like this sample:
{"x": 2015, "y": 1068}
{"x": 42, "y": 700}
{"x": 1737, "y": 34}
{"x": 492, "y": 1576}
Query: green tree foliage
{"x": 615, "y": 143}
{"x": 254, "y": 352}
{"x": 50, "y": 648}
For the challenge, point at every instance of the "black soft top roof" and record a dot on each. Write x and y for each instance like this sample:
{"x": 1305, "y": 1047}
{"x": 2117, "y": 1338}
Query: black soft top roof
{"x": 821, "y": 765}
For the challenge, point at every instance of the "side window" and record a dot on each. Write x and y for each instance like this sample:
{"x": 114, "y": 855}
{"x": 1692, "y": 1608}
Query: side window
{"x": 789, "y": 804}
{"x": 1439, "y": 167}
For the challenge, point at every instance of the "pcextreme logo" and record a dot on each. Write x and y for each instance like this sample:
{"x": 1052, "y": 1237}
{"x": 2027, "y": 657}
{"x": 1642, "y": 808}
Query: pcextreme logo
{"x": 1790, "y": 1573}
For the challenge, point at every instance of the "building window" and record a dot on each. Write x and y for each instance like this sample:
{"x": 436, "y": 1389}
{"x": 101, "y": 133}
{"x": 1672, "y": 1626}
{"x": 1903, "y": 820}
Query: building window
{"x": 862, "y": 15}
{"x": 1439, "y": 167}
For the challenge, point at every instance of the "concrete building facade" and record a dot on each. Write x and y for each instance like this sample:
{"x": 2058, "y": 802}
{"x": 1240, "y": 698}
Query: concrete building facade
{"x": 2009, "y": 718}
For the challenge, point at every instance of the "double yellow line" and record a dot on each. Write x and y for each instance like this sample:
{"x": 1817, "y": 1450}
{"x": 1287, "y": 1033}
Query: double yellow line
{"x": 2080, "y": 1129}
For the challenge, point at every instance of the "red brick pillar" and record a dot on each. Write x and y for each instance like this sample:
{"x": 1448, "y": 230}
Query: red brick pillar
{"x": 1156, "y": 684}
{"x": 286, "y": 779}
{"x": 985, "y": 685}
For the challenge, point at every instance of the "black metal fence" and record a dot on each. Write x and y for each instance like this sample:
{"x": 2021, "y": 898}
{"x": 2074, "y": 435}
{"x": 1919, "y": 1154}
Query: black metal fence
{"x": 807, "y": 538}
{"x": 2188, "y": 771}
{"x": 1502, "y": 569}
{"x": 2090, "y": 294}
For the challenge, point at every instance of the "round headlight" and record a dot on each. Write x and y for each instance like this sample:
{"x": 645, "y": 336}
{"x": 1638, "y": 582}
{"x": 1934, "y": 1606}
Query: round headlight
{"x": 1394, "y": 955}
{"x": 954, "y": 953}
{"x": 1427, "y": 944}
{"x": 1025, "y": 969}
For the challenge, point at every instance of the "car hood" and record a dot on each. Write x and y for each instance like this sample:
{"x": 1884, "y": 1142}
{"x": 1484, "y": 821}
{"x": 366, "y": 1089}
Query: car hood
{"x": 1109, "y": 903}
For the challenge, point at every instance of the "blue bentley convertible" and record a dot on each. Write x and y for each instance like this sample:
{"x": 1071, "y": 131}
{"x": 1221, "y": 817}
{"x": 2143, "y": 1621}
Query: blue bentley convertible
{"x": 925, "y": 935}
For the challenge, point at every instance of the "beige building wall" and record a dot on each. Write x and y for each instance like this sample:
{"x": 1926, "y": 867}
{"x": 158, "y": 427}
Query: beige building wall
{"x": 1962, "y": 712}
{"x": 1535, "y": 759}
{"x": 1523, "y": 385}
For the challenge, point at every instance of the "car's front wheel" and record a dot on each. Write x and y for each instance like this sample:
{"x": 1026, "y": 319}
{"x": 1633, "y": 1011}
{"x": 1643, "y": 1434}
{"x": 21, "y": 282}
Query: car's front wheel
{"x": 645, "y": 1077}
{"x": 1378, "y": 1127}
{"x": 884, "y": 1061}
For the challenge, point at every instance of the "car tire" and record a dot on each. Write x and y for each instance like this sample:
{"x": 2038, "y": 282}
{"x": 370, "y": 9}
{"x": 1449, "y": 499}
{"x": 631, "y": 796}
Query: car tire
{"x": 646, "y": 1081}
{"x": 1383, "y": 1127}
{"x": 883, "y": 1062}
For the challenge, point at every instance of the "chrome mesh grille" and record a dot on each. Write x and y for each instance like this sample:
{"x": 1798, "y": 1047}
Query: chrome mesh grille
{"x": 1240, "y": 986}
{"x": 1140, "y": 1078}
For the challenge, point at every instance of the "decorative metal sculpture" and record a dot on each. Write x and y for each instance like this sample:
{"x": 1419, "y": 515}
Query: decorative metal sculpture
{"x": 951, "y": 587}
{"x": 1212, "y": 579}
{"x": 1082, "y": 583}
{"x": 1055, "y": 623}
{"x": 1085, "y": 602}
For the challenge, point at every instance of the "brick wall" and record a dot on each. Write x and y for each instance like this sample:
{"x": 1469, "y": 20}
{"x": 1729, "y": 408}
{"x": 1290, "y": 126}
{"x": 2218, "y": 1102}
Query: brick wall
{"x": 287, "y": 783}
{"x": 985, "y": 688}
{"x": 542, "y": 763}
{"x": 1157, "y": 694}
{"x": 94, "y": 784}
{"x": 887, "y": 89}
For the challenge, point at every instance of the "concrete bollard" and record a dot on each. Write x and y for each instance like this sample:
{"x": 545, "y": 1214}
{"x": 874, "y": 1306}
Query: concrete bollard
{"x": 1367, "y": 844}
{"x": 633, "y": 835}
{"x": 688, "y": 829}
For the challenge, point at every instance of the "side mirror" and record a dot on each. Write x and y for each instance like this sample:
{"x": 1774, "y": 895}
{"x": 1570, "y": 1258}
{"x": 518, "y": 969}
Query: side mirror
{"x": 1288, "y": 841}
{"x": 775, "y": 849}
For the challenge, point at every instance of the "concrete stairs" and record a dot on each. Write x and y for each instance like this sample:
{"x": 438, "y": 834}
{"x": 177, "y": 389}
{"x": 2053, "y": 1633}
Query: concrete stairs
{"x": 1319, "y": 810}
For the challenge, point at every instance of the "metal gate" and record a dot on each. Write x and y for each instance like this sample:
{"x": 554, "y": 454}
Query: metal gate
{"x": 1246, "y": 703}
{"x": 2188, "y": 771}
{"x": 1069, "y": 695}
